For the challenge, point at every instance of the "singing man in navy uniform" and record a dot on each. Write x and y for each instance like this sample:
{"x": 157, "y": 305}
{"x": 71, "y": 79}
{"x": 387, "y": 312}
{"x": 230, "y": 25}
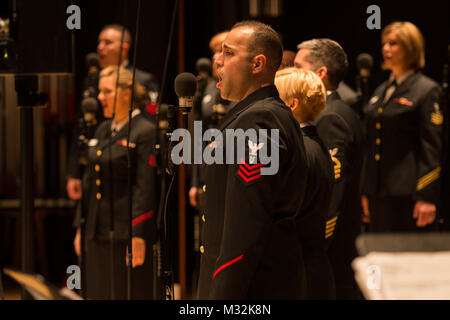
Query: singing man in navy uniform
{"x": 250, "y": 248}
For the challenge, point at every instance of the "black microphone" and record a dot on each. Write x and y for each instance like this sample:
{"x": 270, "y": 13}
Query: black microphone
{"x": 93, "y": 68}
{"x": 185, "y": 88}
{"x": 89, "y": 107}
{"x": 203, "y": 67}
{"x": 364, "y": 63}
{"x": 92, "y": 62}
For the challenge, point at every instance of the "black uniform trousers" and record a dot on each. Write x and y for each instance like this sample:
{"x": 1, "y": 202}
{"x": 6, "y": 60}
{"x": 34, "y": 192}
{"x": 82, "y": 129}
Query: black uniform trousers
{"x": 98, "y": 272}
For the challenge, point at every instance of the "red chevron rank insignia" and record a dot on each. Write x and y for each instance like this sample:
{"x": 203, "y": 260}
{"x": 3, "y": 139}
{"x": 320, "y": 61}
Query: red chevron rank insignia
{"x": 248, "y": 172}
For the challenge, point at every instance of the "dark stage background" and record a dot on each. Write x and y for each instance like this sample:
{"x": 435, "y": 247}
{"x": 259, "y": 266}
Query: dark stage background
{"x": 343, "y": 21}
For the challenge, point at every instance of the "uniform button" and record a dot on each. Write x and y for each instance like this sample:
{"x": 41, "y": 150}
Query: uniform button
{"x": 377, "y": 157}
{"x": 378, "y": 141}
{"x": 204, "y": 188}
{"x": 99, "y": 196}
{"x": 380, "y": 110}
{"x": 202, "y": 249}
{"x": 97, "y": 168}
{"x": 98, "y": 182}
{"x": 99, "y": 153}
{"x": 203, "y": 218}
{"x": 378, "y": 126}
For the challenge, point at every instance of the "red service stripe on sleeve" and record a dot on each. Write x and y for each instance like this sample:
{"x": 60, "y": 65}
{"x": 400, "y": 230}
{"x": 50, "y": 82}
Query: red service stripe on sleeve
{"x": 249, "y": 179}
{"x": 151, "y": 160}
{"x": 142, "y": 218}
{"x": 226, "y": 265}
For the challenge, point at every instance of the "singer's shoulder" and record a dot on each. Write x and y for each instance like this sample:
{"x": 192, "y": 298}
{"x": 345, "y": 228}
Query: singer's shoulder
{"x": 143, "y": 126}
{"x": 104, "y": 126}
{"x": 424, "y": 82}
{"x": 268, "y": 113}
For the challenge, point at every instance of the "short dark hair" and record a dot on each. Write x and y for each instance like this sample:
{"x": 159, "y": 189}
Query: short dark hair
{"x": 120, "y": 28}
{"x": 328, "y": 53}
{"x": 265, "y": 40}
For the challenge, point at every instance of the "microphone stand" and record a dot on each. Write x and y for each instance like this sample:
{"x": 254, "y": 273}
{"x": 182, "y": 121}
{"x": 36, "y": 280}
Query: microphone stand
{"x": 86, "y": 124}
{"x": 362, "y": 92}
{"x": 163, "y": 246}
{"x": 28, "y": 98}
{"x": 166, "y": 243}
{"x": 111, "y": 204}
{"x": 82, "y": 145}
{"x": 130, "y": 189}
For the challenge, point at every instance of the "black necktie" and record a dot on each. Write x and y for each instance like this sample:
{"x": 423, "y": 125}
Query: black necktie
{"x": 392, "y": 83}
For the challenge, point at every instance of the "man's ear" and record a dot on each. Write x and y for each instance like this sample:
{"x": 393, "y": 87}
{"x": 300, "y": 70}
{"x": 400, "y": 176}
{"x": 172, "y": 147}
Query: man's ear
{"x": 125, "y": 49}
{"x": 322, "y": 72}
{"x": 126, "y": 93}
{"x": 295, "y": 103}
{"x": 259, "y": 62}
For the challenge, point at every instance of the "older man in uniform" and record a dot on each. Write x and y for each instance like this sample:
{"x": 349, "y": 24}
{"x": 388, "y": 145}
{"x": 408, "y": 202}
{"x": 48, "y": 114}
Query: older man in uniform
{"x": 341, "y": 130}
{"x": 249, "y": 247}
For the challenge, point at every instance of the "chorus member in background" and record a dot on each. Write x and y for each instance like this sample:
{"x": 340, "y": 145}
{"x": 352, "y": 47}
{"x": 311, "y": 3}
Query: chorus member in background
{"x": 339, "y": 127}
{"x": 304, "y": 92}
{"x": 250, "y": 247}
{"x": 288, "y": 59}
{"x": 214, "y": 109}
{"x": 404, "y": 131}
{"x": 106, "y": 186}
{"x": 109, "y": 54}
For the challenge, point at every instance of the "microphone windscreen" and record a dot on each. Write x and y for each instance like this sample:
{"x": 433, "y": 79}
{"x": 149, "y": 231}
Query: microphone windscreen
{"x": 92, "y": 60}
{"x": 185, "y": 85}
{"x": 364, "y": 61}
{"x": 89, "y": 105}
{"x": 203, "y": 65}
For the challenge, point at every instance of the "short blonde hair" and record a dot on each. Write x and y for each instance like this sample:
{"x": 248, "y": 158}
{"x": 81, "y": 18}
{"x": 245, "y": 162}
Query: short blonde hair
{"x": 411, "y": 40}
{"x": 125, "y": 82}
{"x": 304, "y": 85}
{"x": 217, "y": 40}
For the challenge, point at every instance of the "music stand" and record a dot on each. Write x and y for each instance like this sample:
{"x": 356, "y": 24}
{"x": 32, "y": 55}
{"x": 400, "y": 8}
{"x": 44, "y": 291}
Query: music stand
{"x": 406, "y": 266}
{"x": 39, "y": 287}
{"x": 403, "y": 242}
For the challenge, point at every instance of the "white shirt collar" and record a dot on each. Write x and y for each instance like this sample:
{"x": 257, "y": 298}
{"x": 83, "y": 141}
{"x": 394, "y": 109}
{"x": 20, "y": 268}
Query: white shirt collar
{"x": 118, "y": 126}
{"x": 305, "y": 124}
{"x": 402, "y": 78}
{"x": 124, "y": 63}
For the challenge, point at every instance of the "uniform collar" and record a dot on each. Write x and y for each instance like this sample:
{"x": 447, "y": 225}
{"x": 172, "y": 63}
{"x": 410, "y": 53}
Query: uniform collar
{"x": 402, "y": 78}
{"x": 308, "y": 130}
{"x": 118, "y": 126}
{"x": 332, "y": 95}
{"x": 305, "y": 124}
{"x": 260, "y": 94}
